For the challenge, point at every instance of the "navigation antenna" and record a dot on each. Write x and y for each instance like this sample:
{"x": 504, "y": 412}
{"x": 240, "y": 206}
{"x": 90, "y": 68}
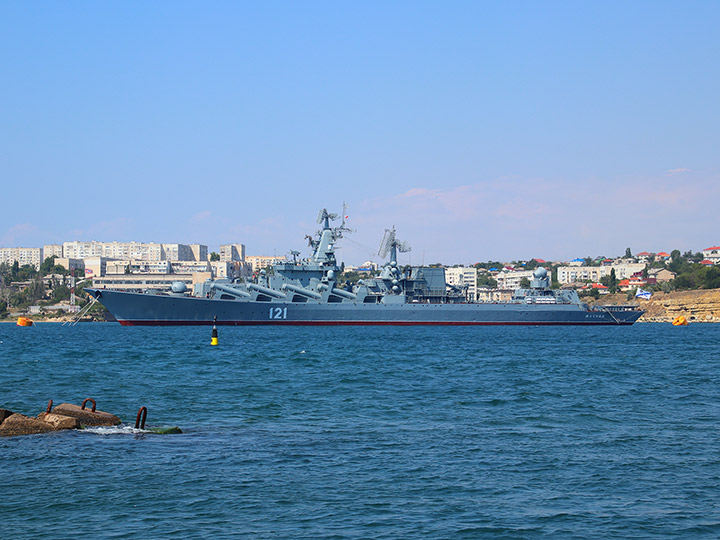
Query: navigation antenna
{"x": 390, "y": 244}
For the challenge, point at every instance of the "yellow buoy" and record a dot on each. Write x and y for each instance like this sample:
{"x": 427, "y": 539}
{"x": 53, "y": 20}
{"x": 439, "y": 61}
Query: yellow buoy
{"x": 680, "y": 320}
{"x": 214, "y": 338}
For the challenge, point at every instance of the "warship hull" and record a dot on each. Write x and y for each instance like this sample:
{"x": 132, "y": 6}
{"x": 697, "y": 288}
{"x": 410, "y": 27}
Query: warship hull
{"x": 139, "y": 309}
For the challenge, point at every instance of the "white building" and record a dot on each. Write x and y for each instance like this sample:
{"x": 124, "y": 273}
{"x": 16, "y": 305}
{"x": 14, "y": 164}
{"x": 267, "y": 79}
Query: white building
{"x": 190, "y": 267}
{"x": 712, "y": 254}
{"x": 573, "y": 274}
{"x": 134, "y": 266}
{"x": 52, "y": 250}
{"x": 140, "y": 251}
{"x": 31, "y": 256}
{"x": 463, "y": 277}
{"x": 511, "y": 280}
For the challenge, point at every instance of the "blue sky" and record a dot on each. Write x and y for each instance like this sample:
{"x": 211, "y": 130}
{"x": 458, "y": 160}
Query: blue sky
{"x": 481, "y": 130}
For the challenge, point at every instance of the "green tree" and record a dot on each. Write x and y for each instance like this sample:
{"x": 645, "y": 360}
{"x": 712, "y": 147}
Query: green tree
{"x": 60, "y": 293}
{"x": 684, "y": 282}
{"x": 47, "y": 265}
{"x": 711, "y": 279}
{"x": 628, "y": 253}
{"x": 214, "y": 256}
{"x": 524, "y": 283}
{"x": 486, "y": 281}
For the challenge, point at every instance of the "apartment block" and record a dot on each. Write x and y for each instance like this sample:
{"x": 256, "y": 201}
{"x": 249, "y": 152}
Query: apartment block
{"x": 463, "y": 277}
{"x": 199, "y": 251}
{"x": 141, "y": 251}
{"x": 31, "y": 256}
{"x": 232, "y": 252}
{"x": 572, "y": 274}
{"x": 259, "y": 262}
{"x": 511, "y": 280}
{"x": 52, "y": 250}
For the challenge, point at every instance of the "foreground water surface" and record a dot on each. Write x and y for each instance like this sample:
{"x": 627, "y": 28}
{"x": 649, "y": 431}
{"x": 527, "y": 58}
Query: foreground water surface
{"x": 380, "y": 433}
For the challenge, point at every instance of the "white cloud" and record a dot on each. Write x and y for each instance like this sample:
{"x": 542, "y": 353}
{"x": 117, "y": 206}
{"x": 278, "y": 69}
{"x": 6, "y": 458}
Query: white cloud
{"x": 673, "y": 172}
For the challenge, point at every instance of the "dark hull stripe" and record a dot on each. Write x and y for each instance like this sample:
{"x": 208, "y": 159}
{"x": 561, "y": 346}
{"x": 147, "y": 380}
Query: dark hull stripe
{"x": 367, "y": 323}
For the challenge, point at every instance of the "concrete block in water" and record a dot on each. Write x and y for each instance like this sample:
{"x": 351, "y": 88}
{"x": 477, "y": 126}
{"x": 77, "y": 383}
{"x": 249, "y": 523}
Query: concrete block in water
{"x": 86, "y": 416}
{"x": 18, "y": 424}
{"x": 59, "y": 421}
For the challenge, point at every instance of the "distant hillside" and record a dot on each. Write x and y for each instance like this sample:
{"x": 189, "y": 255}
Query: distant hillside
{"x": 697, "y": 306}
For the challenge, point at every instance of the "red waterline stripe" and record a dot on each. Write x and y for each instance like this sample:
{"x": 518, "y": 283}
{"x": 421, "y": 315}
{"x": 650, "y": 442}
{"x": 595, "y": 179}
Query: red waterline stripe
{"x": 361, "y": 323}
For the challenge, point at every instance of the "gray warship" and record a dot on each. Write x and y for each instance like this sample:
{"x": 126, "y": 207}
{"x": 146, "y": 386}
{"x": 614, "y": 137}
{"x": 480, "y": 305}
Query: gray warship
{"x": 309, "y": 292}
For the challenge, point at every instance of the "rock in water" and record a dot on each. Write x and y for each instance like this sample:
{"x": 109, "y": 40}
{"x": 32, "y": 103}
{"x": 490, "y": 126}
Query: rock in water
{"x": 86, "y": 416}
{"x": 59, "y": 421}
{"x": 166, "y": 430}
{"x": 18, "y": 424}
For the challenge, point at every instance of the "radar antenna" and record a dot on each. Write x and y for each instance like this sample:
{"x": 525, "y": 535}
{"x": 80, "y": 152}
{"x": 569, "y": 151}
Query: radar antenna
{"x": 390, "y": 243}
{"x": 324, "y": 218}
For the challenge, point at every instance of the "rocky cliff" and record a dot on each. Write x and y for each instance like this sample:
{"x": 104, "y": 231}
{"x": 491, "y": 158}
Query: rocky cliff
{"x": 697, "y": 306}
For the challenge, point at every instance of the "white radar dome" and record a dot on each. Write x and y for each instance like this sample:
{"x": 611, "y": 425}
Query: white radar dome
{"x": 540, "y": 273}
{"x": 178, "y": 287}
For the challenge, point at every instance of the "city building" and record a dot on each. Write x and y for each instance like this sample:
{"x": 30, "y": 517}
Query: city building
{"x": 465, "y": 277}
{"x": 140, "y": 251}
{"x": 232, "y": 252}
{"x": 134, "y": 266}
{"x": 485, "y": 294}
{"x": 574, "y": 274}
{"x": 712, "y": 254}
{"x": 141, "y": 282}
{"x": 95, "y": 266}
{"x": 52, "y": 250}
{"x": 190, "y": 267}
{"x": 511, "y": 279}
{"x": 259, "y": 262}
{"x": 661, "y": 275}
{"x": 199, "y": 252}
{"x": 23, "y": 256}
{"x": 73, "y": 265}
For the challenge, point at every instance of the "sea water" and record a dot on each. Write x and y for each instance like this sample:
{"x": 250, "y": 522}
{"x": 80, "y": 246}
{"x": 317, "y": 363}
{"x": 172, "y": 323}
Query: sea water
{"x": 378, "y": 433}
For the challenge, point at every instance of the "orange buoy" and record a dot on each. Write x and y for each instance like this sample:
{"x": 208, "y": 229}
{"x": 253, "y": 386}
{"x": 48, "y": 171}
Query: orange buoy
{"x": 24, "y": 321}
{"x": 680, "y": 320}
